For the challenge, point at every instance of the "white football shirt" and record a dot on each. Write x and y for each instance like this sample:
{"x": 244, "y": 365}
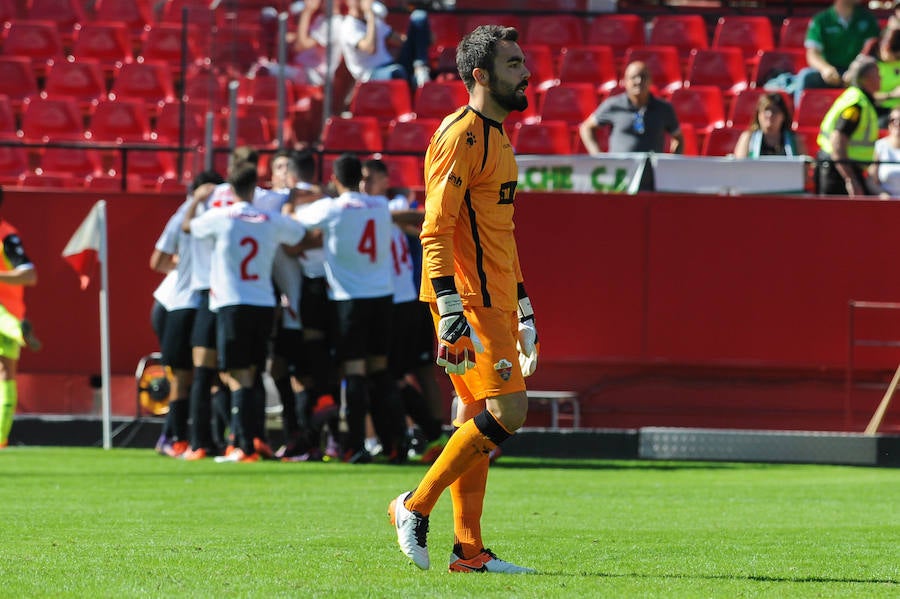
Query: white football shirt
{"x": 312, "y": 261}
{"x": 245, "y": 241}
{"x": 176, "y": 242}
{"x": 357, "y": 244}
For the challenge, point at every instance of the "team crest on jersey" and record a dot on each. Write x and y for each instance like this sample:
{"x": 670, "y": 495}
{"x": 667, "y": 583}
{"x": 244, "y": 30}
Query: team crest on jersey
{"x": 470, "y": 139}
{"x": 504, "y": 368}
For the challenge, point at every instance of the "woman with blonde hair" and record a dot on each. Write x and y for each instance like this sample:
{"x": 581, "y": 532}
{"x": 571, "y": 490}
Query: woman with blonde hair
{"x": 770, "y": 131}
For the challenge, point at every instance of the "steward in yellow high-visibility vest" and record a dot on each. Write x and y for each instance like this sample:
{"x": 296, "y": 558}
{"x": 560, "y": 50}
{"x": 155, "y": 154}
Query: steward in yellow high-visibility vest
{"x": 848, "y": 132}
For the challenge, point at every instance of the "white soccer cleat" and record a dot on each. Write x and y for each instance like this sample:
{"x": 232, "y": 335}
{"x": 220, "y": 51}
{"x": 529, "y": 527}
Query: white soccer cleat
{"x": 485, "y": 561}
{"x": 412, "y": 530}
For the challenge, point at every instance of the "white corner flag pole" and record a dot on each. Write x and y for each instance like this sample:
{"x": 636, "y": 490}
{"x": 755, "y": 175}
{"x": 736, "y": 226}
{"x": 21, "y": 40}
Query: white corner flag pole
{"x": 104, "y": 330}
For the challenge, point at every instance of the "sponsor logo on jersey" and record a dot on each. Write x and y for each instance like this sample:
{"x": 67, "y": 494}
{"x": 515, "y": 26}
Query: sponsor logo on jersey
{"x": 455, "y": 179}
{"x": 507, "y": 192}
{"x": 504, "y": 368}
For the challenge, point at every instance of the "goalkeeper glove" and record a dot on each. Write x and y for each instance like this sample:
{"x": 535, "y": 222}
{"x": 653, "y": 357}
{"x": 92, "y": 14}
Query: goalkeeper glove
{"x": 457, "y": 342}
{"x": 527, "y": 344}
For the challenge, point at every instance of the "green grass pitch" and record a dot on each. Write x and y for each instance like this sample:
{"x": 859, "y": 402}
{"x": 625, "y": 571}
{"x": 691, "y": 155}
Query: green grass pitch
{"x": 128, "y": 523}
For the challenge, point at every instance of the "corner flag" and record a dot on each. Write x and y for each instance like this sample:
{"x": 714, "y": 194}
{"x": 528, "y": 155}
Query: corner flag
{"x": 83, "y": 249}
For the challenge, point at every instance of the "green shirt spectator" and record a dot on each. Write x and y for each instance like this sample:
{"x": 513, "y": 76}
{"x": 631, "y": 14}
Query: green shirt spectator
{"x": 837, "y": 39}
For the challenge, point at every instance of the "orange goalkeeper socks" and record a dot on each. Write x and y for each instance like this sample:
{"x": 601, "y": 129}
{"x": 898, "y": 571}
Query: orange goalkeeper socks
{"x": 467, "y": 492}
{"x": 467, "y": 446}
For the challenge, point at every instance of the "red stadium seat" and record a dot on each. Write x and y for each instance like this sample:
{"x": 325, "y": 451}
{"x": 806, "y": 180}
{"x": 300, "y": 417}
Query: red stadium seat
{"x": 539, "y": 61}
{"x": 198, "y": 13}
{"x": 168, "y": 124}
{"x": 721, "y": 141}
{"x": 699, "y": 105}
{"x": 810, "y": 137}
{"x": 812, "y": 106}
{"x": 108, "y": 43}
{"x": 8, "y": 125}
{"x": 405, "y": 171}
{"x": 205, "y": 86}
{"x": 569, "y": 102}
{"x": 80, "y": 79}
{"x": 9, "y": 10}
{"x": 13, "y": 163}
{"x": 684, "y": 31}
{"x": 17, "y": 80}
{"x": 75, "y": 161}
{"x": 38, "y": 40}
{"x": 546, "y": 137}
{"x": 721, "y": 67}
{"x": 51, "y": 120}
{"x": 445, "y": 31}
{"x": 437, "y": 99}
{"x": 50, "y": 181}
{"x": 253, "y": 129}
{"x": 356, "y": 134}
{"x": 231, "y": 48}
{"x": 588, "y": 64}
{"x": 618, "y": 30}
{"x": 505, "y": 19}
{"x": 556, "y": 31}
{"x": 162, "y": 42}
{"x": 748, "y": 33}
{"x": 65, "y": 13}
{"x": 133, "y": 14}
{"x": 774, "y": 62}
{"x": 663, "y": 64}
{"x": 793, "y": 32}
{"x": 119, "y": 121}
{"x": 151, "y": 166}
{"x": 411, "y": 136}
{"x": 691, "y": 140}
{"x": 384, "y": 100}
{"x": 150, "y": 82}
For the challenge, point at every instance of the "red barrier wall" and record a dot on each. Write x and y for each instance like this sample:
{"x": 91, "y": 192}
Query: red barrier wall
{"x": 620, "y": 284}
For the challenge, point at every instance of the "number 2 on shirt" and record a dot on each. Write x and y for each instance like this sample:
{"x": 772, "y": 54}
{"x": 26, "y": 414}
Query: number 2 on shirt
{"x": 246, "y": 275}
{"x": 367, "y": 244}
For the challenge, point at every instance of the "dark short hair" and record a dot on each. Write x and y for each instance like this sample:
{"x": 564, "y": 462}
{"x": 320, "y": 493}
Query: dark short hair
{"x": 348, "y": 170}
{"x": 206, "y": 177}
{"x": 306, "y": 164}
{"x": 478, "y": 49}
{"x": 376, "y": 166}
{"x": 243, "y": 179}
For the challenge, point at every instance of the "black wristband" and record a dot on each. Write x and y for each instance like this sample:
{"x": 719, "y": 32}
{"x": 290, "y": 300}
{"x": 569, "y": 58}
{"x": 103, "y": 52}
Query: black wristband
{"x": 443, "y": 285}
{"x": 520, "y": 289}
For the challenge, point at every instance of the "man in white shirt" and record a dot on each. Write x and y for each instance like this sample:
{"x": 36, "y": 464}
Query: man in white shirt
{"x": 365, "y": 39}
{"x": 357, "y": 243}
{"x": 172, "y": 256}
{"x": 241, "y": 292}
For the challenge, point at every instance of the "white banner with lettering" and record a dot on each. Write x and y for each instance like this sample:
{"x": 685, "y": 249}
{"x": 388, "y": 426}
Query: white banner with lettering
{"x": 581, "y": 173}
{"x": 728, "y": 176}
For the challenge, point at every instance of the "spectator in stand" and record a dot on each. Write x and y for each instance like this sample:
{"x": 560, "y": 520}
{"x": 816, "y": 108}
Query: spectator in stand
{"x": 637, "y": 119}
{"x": 770, "y": 131}
{"x": 365, "y": 39}
{"x": 887, "y": 53}
{"x": 16, "y": 273}
{"x": 849, "y": 131}
{"x": 311, "y": 63}
{"x": 884, "y": 173}
{"x": 834, "y": 38}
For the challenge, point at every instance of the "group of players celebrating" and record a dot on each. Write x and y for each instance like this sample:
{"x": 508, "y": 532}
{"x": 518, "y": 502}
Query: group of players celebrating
{"x": 317, "y": 286}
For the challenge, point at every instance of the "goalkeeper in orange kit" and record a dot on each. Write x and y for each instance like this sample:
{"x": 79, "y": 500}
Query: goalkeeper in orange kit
{"x": 471, "y": 277}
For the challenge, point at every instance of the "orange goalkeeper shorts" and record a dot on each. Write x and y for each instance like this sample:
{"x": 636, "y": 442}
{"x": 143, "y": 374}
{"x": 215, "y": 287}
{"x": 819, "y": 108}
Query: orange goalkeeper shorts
{"x": 497, "y": 370}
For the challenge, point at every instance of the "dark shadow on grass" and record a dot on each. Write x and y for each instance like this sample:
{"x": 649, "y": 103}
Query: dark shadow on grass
{"x": 749, "y": 577}
{"x": 581, "y": 464}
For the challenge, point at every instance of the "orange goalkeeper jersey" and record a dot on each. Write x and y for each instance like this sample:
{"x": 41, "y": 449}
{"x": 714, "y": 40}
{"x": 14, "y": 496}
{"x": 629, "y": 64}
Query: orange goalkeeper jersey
{"x": 470, "y": 187}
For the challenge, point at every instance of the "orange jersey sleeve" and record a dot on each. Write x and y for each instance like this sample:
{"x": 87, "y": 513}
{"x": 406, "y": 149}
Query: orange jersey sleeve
{"x": 470, "y": 188}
